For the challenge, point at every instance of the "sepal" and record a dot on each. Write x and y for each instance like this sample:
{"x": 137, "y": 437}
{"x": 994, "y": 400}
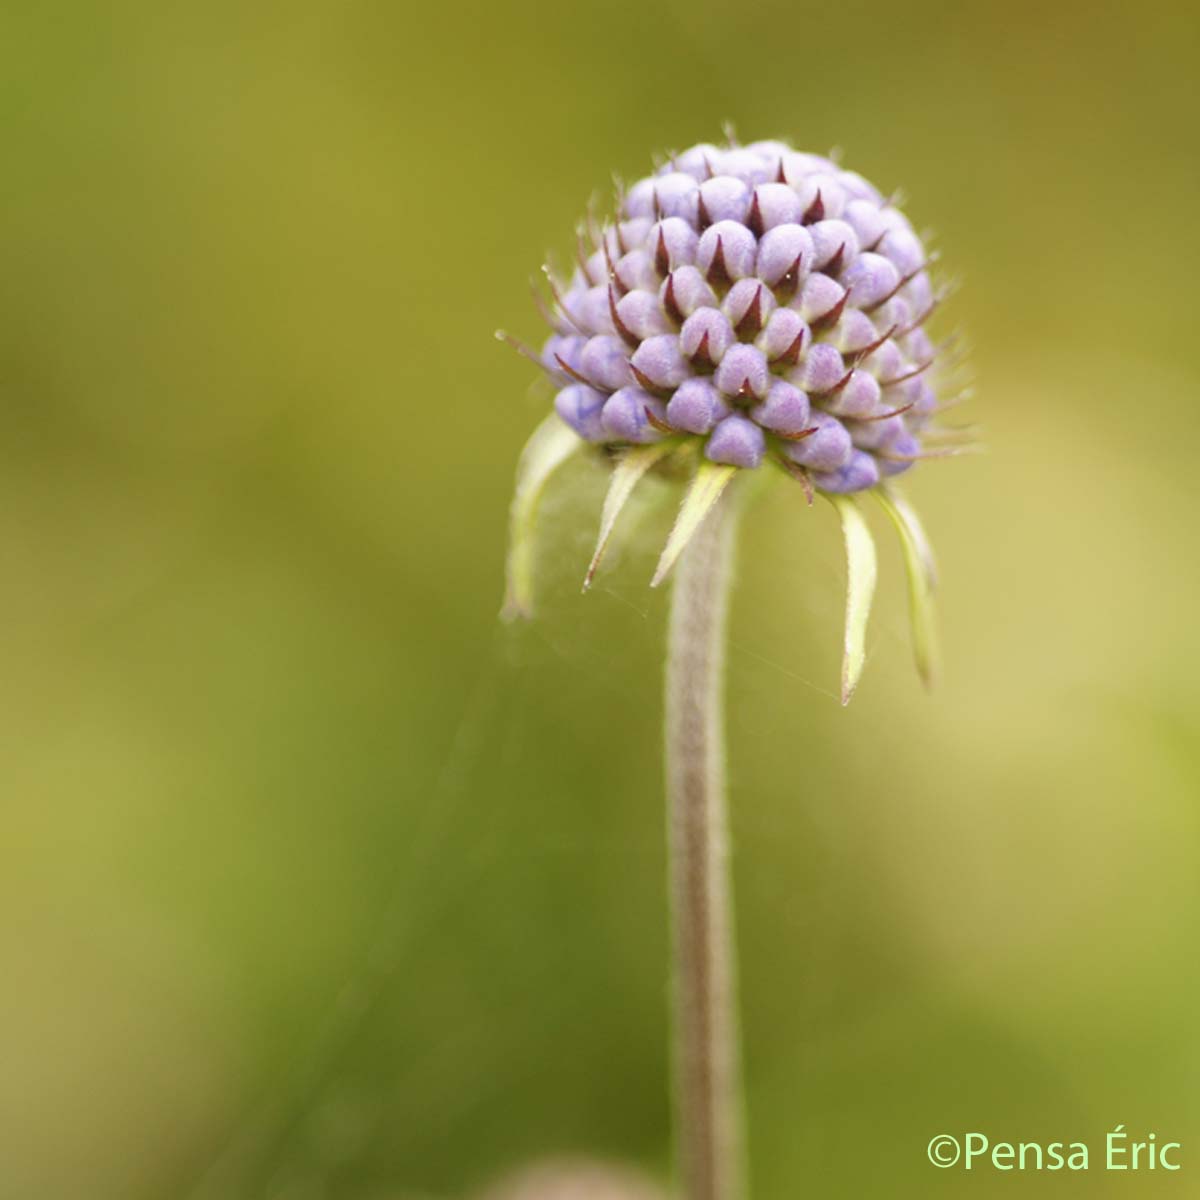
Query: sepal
{"x": 549, "y": 446}
{"x": 922, "y": 579}
{"x": 705, "y": 490}
{"x": 629, "y": 470}
{"x": 861, "y": 572}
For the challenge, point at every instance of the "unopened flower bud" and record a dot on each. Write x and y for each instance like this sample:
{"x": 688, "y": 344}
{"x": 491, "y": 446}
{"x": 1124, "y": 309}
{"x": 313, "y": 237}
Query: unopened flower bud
{"x": 641, "y": 314}
{"x": 581, "y": 407}
{"x": 785, "y": 337}
{"x": 785, "y": 255}
{"x": 696, "y": 406}
{"x": 775, "y": 204}
{"x": 821, "y": 370}
{"x": 827, "y": 449}
{"x": 724, "y": 198}
{"x": 748, "y": 304}
{"x": 671, "y": 243}
{"x": 738, "y": 442}
{"x": 605, "y": 362}
{"x": 685, "y": 291}
{"x": 660, "y": 360}
{"x": 727, "y": 252}
{"x": 785, "y": 410}
{"x": 857, "y": 474}
{"x": 743, "y": 373}
{"x": 706, "y": 335}
{"x": 871, "y": 278}
{"x": 858, "y": 397}
{"x": 624, "y": 416}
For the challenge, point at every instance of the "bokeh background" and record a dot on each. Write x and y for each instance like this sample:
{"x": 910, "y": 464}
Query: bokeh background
{"x": 318, "y": 884}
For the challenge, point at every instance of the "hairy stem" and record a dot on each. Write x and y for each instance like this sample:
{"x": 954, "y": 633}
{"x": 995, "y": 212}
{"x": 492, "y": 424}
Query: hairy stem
{"x": 707, "y": 1068}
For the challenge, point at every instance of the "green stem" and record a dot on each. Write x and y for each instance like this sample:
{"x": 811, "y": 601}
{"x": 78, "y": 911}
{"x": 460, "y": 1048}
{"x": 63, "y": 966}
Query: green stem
{"x": 707, "y": 1067}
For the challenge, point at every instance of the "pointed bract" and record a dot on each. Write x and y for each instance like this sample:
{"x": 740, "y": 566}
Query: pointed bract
{"x": 550, "y": 445}
{"x": 861, "y": 570}
{"x": 705, "y": 490}
{"x": 626, "y": 474}
{"x": 922, "y": 579}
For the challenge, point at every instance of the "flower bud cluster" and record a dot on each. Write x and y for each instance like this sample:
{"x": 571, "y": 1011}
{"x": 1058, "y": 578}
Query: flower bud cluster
{"x": 764, "y": 302}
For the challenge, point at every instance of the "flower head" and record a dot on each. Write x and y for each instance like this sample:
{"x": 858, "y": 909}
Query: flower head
{"x": 747, "y": 306}
{"x": 762, "y": 303}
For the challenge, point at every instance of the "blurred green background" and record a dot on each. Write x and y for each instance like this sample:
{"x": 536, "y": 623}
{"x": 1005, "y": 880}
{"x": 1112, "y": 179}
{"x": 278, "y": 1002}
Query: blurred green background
{"x": 314, "y": 881}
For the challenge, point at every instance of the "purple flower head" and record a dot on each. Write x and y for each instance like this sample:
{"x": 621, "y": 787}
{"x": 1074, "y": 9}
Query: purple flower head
{"x": 743, "y": 297}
